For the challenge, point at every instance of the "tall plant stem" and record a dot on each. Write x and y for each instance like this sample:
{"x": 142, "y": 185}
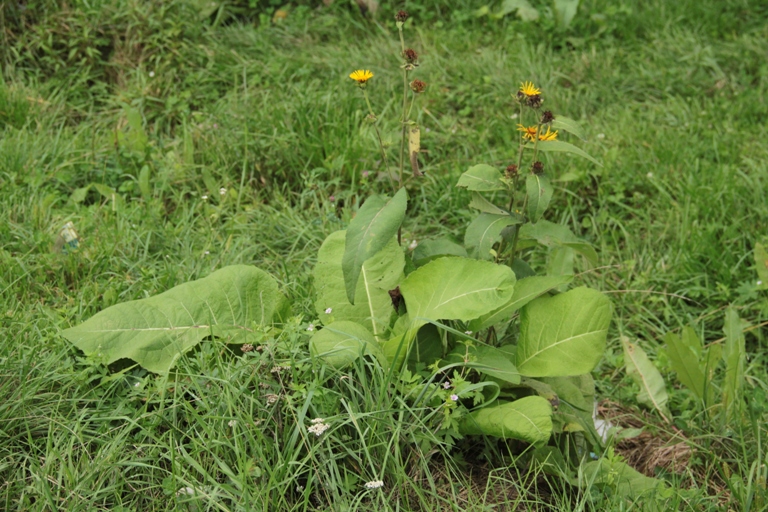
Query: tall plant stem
{"x": 384, "y": 161}
{"x": 405, "y": 102}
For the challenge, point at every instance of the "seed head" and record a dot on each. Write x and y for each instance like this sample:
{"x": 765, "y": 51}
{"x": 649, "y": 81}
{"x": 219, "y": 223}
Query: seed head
{"x": 247, "y": 347}
{"x": 538, "y": 168}
{"x": 511, "y": 171}
{"x": 401, "y": 16}
{"x": 410, "y": 55}
{"x": 534, "y": 101}
{"x": 547, "y": 117}
{"x": 418, "y": 86}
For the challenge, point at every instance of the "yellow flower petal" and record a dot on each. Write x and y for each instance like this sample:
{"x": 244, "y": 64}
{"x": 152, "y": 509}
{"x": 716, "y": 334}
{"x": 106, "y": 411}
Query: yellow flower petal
{"x": 361, "y": 76}
{"x": 529, "y": 89}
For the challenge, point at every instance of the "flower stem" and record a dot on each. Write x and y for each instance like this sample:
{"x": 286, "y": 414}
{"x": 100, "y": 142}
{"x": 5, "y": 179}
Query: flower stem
{"x": 384, "y": 161}
{"x": 405, "y": 101}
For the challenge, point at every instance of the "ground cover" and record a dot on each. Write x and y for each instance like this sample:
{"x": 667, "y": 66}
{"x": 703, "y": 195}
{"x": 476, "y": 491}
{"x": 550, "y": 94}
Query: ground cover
{"x": 240, "y": 140}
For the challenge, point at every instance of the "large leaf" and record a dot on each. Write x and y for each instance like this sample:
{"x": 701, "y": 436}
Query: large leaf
{"x": 456, "y": 289}
{"x": 552, "y": 235}
{"x": 565, "y": 10}
{"x": 524, "y": 10}
{"x": 373, "y": 227}
{"x": 563, "y": 335}
{"x": 528, "y": 419}
{"x": 734, "y": 355}
{"x": 481, "y": 203}
{"x": 653, "y": 392}
{"x": 485, "y": 230}
{"x": 761, "y": 263}
{"x": 622, "y": 479}
{"x": 381, "y": 273}
{"x": 539, "y": 191}
{"x": 525, "y": 291}
{"x": 569, "y": 125}
{"x": 684, "y": 360}
{"x": 429, "y": 250}
{"x": 341, "y": 343}
{"x": 486, "y": 359}
{"x": 156, "y": 331}
{"x": 560, "y": 146}
{"x": 481, "y": 178}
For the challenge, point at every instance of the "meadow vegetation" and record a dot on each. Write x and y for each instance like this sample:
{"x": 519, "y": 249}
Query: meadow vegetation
{"x": 182, "y": 137}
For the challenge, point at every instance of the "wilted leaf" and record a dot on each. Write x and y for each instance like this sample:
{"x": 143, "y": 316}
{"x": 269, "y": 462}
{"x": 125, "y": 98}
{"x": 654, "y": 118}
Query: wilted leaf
{"x": 653, "y": 392}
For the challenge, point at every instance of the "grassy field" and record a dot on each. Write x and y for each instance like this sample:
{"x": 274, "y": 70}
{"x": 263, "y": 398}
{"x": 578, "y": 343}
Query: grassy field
{"x": 253, "y": 139}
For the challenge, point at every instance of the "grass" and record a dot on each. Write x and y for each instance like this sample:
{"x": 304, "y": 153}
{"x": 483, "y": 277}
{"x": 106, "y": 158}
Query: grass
{"x": 266, "y": 112}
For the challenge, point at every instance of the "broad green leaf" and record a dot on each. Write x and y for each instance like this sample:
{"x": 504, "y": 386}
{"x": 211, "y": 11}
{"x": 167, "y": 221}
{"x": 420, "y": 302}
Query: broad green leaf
{"x": 622, "y": 479}
{"x": 560, "y": 261}
{"x": 539, "y": 191}
{"x": 569, "y": 125}
{"x": 560, "y": 146}
{"x": 524, "y": 10}
{"x": 525, "y": 291}
{"x": 486, "y": 359}
{"x": 431, "y": 249}
{"x": 481, "y": 203}
{"x": 653, "y": 392}
{"x": 685, "y": 362}
{"x": 734, "y": 355}
{"x": 454, "y": 288}
{"x": 484, "y": 231}
{"x": 79, "y": 195}
{"x": 341, "y": 343}
{"x": 379, "y": 274}
{"x": 428, "y": 346}
{"x": 761, "y": 263}
{"x": 551, "y": 235}
{"x": 481, "y": 178}
{"x": 528, "y": 419}
{"x": 156, "y": 331}
{"x": 565, "y": 11}
{"x": 373, "y": 227}
{"x": 563, "y": 335}
{"x": 144, "y": 186}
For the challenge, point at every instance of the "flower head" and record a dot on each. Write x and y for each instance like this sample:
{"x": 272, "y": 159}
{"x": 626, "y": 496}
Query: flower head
{"x": 361, "y": 76}
{"x": 549, "y": 135}
{"x": 311, "y": 327}
{"x": 318, "y": 426}
{"x": 375, "y": 484}
{"x": 455, "y": 398}
{"x": 328, "y": 311}
{"x": 401, "y": 16}
{"x": 529, "y": 89}
{"x": 537, "y": 168}
{"x": 418, "y": 86}
{"x": 447, "y": 384}
{"x": 410, "y": 55}
{"x": 547, "y": 117}
{"x": 534, "y": 101}
{"x": 529, "y": 132}
{"x": 222, "y": 191}
{"x": 511, "y": 171}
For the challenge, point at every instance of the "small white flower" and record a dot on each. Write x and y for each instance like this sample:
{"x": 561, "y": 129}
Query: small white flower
{"x": 455, "y": 398}
{"x": 513, "y": 116}
{"x": 138, "y": 384}
{"x": 299, "y": 488}
{"x": 600, "y": 135}
{"x": 185, "y": 490}
{"x": 207, "y": 253}
{"x": 328, "y": 311}
{"x": 205, "y": 198}
{"x": 374, "y": 484}
{"x": 427, "y": 130}
{"x": 413, "y": 245}
{"x": 649, "y": 175}
{"x": 318, "y": 427}
{"x": 222, "y": 191}
{"x": 468, "y": 333}
{"x": 151, "y": 74}
{"x": 232, "y": 423}
{"x": 447, "y": 384}
{"x": 311, "y": 327}
{"x": 271, "y": 398}
{"x": 759, "y": 283}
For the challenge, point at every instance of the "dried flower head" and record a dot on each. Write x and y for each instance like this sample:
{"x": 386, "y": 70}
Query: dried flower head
{"x": 361, "y": 76}
{"x": 246, "y": 348}
{"x": 534, "y": 101}
{"x": 396, "y": 297}
{"x": 511, "y": 171}
{"x": 401, "y": 16}
{"x": 418, "y": 86}
{"x": 410, "y": 55}
{"x": 537, "y": 167}
{"x": 271, "y": 398}
{"x": 528, "y": 89}
{"x": 547, "y": 117}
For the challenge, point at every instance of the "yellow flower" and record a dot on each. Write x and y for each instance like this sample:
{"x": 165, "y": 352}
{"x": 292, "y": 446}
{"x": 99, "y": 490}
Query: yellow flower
{"x": 529, "y": 89}
{"x": 361, "y": 76}
{"x": 528, "y": 132}
{"x": 550, "y": 135}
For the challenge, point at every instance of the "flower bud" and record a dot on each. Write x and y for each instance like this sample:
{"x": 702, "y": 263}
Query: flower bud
{"x": 547, "y": 117}
{"x": 401, "y": 16}
{"x": 538, "y": 168}
{"x": 410, "y": 55}
{"x": 534, "y": 101}
{"x": 511, "y": 171}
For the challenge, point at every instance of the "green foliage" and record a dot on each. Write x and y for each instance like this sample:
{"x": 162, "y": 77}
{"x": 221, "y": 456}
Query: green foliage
{"x": 155, "y": 332}
{"x": 528, "y": 419}
{"x": 653, "y": 391}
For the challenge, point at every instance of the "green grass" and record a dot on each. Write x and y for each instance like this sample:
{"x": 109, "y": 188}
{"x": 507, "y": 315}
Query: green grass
{"x": 267, "y": 112}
